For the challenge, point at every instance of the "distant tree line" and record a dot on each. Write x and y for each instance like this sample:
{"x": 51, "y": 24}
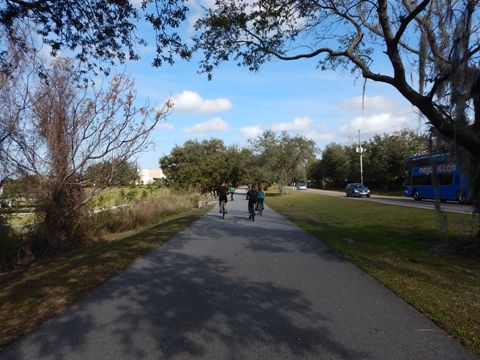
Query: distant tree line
{"x": 269, "y": 158}
{"x": 384, "y": 160}
{"x": 116, "y": 172}
{"x": 282, "y": 159}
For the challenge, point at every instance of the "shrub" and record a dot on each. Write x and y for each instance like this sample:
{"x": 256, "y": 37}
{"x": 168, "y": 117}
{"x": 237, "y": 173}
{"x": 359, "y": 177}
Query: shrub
{"x": 131, "y": 195}
{"x": 103, "y": 200}
{"x": 12, "y": 247}
{"x": 148, "y": 210}
{"x": 64, "y": 216}
{"x": 121, "y": 197}
{"x": 145, "y": 211}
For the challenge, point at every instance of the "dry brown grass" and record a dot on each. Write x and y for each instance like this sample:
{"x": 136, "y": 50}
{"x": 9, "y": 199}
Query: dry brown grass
{"x": 152, "y": 207}
{"x": 143, "y": 212}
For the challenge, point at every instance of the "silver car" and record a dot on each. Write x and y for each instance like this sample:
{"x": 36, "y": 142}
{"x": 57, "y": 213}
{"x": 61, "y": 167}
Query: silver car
{"x": 301, "y": 186}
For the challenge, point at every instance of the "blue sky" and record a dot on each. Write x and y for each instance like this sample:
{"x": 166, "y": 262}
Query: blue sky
{"x": 237, "y": 104}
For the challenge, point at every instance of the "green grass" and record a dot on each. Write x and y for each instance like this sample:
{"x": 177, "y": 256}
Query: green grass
{"x": 31, "y": 295}
{"x": 401, "y": 248}
{"x": 117, "y": 195}
{"x": 21, "y": 219}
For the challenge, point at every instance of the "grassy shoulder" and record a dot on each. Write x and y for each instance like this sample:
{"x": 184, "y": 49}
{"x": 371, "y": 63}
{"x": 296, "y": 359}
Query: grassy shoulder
{"x": 399, "y": 246}
{"x": 29, "y": 296}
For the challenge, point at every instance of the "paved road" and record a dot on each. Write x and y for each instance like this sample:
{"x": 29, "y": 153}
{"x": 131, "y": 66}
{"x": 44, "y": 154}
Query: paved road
{"x": 401, "y": 201}
{"x": 236, "y": 289}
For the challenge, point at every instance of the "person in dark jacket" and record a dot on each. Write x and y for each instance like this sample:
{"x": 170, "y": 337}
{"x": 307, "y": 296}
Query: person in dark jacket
{"x": 222, "y": 192}
{"x": 252, "y": 200}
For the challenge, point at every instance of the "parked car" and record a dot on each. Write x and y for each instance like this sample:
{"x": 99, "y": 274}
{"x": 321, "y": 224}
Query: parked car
{"x": 357, "y": 190}
{"x": 301, "y": 186}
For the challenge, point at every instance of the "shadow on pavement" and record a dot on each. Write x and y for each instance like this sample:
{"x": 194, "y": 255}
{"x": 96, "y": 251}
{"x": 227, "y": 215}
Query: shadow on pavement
{"x": 269, "y": 233}
{"x": 172, "y": 304}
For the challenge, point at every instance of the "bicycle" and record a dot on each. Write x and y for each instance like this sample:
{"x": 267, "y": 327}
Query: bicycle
{"x": 223, "y": 208}
{"x": 260, "y": 208}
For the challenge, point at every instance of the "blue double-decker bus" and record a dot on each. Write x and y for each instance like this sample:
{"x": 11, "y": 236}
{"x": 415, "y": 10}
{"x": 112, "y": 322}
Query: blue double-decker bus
{"x": 435, "y": 176}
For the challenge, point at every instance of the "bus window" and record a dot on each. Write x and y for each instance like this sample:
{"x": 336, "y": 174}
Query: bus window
{"x": 445, "y": 179}
{"x": 422, "y": 180}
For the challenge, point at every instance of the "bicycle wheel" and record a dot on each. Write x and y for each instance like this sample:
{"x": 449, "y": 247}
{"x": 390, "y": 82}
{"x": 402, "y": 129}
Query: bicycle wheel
{"x": 260, "y": 209}
{"x": 252, "y": 212}
{"x": 223, "y": 210}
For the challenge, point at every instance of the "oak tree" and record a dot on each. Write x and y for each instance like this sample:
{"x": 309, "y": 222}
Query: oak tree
{"x": 66, "y": 128}
{"x": 431, "y": 49}
{"x": 284, "y": 157}
{"x": 200, "y": 165}
{"x": 99, "y": 33}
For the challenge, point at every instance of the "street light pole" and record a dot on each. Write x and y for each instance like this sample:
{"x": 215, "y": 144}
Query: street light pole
{"x": 360, "y": 150}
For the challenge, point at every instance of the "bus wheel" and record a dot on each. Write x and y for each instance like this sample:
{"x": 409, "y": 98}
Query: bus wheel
{"x": 416, "y": 196}
{"x": 461, "y": 197}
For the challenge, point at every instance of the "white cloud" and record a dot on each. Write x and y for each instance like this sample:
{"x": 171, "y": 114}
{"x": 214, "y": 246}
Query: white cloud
{"x": 44, "y": 52}
{"x": 213, "y": 125}
{"x": 372, "y": 104}
{"x": 320, "y": 134}
{"x": 376, "y": 124}
{"x": 165, "y": 127}
{"x": 208, "y": 4}
{"x": 136, "y": 3}
{"x": 249, "y": 132}
{"x": 190, "y": 101}
{"x": 196, "y": 9}
{"x": 381, "y": 116}
{"x": 192, "y": 20}
{"x": 300, "y": 124}
{"x": 303, "y": 126}
{"x": 319, "y": 137}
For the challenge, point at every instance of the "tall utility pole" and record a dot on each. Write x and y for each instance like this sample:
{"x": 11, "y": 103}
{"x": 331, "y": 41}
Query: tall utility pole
{"x": 359, "y": 148}
{"x": 360, "y": 151}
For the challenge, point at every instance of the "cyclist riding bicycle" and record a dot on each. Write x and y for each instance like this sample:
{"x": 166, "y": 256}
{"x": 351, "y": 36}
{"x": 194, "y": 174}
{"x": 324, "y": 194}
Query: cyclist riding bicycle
{"x": 222, "y": 192}
{"x": 252, "y": 200}
{"x": 260, "y": 197}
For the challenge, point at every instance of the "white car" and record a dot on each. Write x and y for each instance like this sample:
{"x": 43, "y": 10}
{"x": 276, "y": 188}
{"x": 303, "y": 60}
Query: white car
{"x": 301, "y": 186}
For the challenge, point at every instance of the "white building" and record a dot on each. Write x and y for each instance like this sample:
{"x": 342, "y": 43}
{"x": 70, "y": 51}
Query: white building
{"x": 148, "y": 176}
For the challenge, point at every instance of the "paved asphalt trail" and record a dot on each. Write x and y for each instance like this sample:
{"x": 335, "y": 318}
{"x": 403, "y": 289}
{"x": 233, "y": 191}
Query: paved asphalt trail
{"x": 237, "y": 289}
